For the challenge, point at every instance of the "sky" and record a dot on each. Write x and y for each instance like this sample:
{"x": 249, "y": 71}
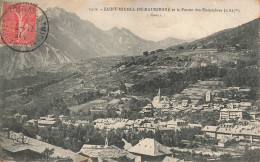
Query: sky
{"x": 182, "y": 24}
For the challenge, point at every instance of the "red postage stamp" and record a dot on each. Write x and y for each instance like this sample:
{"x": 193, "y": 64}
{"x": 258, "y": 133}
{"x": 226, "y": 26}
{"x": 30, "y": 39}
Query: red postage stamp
{"x": 18, "y": 25}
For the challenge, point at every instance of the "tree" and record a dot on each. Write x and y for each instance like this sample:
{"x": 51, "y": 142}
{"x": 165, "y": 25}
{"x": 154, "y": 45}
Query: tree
{"x": 252, "y": 155}
{"x": 246, "y": 116}
{"x": 115, "y": 138}
{"x": 152, "y": 52}
{"x": 145, "y": 53}
{"x": 122, "y": 87}
{"x": 181, "y": 47}
{"x": 213, "y": 148}
{"x": 47, "y": 153}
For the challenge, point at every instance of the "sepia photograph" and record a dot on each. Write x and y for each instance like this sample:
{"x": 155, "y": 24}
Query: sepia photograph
{"x": 129, "y": 81}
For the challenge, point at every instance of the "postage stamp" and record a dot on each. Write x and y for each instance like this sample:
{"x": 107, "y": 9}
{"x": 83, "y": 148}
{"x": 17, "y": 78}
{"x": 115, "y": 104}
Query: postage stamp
{"x": 24, "y": 26}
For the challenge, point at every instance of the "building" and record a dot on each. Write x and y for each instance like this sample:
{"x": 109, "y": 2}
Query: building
{"x": 228, "y": 114}
{"x": 150, "y": 150}
{"x": 147, "y": 110}
{"x": 116, "y": 93}
{"x": 18, "y": 147}
{"x": 224, "y": 142}
{"x": 81, "y": 122}
{"x": 250, "y": 133}
{"x": 255, "y": 116}
{"x": 19, "y": 118}
{"x": 148, "y": 127}
{"x": 210, "y": 131}
{"x": 176, "y": 124}
{"x": 251, "y": 146}
{"x": 208, "y": 97}
{"x": 110, "y": 123}
{"x": 63, "y": 117}
{"x": 102, "y": 153}
{"x": 43, "y": 122}
{"x": 161, "y": 102}
{"x": 184, "y": 103}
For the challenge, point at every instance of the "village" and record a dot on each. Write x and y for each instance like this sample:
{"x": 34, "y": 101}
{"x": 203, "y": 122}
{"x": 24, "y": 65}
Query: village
{"x": 236, "y": 129}
{"x": 112, "y": 96}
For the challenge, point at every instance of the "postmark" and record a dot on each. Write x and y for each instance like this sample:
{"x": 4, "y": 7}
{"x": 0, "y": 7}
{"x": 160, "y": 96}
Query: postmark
{"x": 24, "y": 26}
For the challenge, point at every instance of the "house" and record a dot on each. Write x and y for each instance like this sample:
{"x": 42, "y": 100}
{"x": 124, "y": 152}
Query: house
{"x": 255, "y": 115}
{"x": 171, "y": 125}
{"x": 101, "y": 153}
{"x": 110, "y": 123}
{"x": 116, "y": 93}
{"x": 245, "y": 104}
{"x": 43, "y": 122}
{"x": 128, "y": 85}
{"x": 232, "y": 48}
{"x": 19, "y": 147}
{"x": 129, "y": 125}
{"x": 227, "y": 114}
{"x": 184, "y": 103}
{"x": 63, "y": 118}
{"x": 177, "y": 124}
{"x": 148, "y": 127}
{"x": 81, "y": 122}
{"x": 251, "y": 146}
{"x": 250, "y": 132}
{"x": 203, "y": 64}
{"x": 194, "y": 125}
{"x": 161, "y": 102}
{"x": 224, "y": 133}
{"x": 224, "y": 142}
{"x": 116, "y": 125}
{"x": 150, "y": 150}
{"x": 19, "y": 118}
{"x": 210, "y": 131}
{"x": 147, "y": 110}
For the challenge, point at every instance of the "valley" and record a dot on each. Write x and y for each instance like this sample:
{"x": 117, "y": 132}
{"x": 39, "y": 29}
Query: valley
{"x": 196, "y": 100}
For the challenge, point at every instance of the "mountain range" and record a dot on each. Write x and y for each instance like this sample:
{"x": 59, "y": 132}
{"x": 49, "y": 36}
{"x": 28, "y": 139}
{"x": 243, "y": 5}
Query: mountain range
{"x": 245, "y": 36}
{"x": 72, "y": 39}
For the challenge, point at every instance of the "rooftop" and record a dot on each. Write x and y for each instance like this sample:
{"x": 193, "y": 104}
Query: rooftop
{"x": 44, "y": 122}
{"x": 150, "y": 147}
{"x": 236, "y": 109}
{"x": 36, "y": 146}
{"x": 210, "y": 128}
{"x": 104, "y": 152}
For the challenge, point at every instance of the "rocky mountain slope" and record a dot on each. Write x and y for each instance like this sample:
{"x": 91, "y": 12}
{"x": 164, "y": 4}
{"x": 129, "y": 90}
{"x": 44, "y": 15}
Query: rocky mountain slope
{"x": 72, "y": 39}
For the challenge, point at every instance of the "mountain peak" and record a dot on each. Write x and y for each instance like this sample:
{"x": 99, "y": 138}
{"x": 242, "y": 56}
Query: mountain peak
{"x": 115, "y": 28}
{"x": 59, "y": 12}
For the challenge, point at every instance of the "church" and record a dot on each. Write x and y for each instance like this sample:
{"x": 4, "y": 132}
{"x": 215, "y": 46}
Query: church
{"x": 161, "y": 102}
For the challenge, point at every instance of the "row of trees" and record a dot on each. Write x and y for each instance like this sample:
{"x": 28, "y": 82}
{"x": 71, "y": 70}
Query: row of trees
{"x": 86, "y": 96}
{"x": 130, "y": 110}
{"x": 138, "y": 61}
{"x": 146, "y": 53}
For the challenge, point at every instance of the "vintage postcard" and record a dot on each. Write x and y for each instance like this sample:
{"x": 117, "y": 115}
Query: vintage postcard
{"x": 129, "y": 80}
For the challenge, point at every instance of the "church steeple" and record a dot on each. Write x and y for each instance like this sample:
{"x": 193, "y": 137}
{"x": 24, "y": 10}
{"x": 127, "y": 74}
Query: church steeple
{"x": 159, "y": 93}
{"x": 106, "y": 142}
